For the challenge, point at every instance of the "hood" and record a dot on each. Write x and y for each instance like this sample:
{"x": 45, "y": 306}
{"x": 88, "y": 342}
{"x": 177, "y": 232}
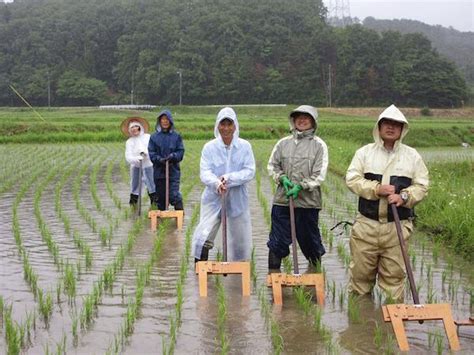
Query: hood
{"x": 394, "y": 114}
{"x": 310, "y": 110}
{"x": 136, "y": 123}
{"x": 170, "y": 118}
{"x": 229, "y": 113}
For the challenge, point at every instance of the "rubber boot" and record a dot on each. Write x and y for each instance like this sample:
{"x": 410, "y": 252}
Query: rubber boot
{"x": 133, "y": 200}
{"x": 274, "y": 262}
{"x": 204, "y": 255}
{"x": 178, "y": 206}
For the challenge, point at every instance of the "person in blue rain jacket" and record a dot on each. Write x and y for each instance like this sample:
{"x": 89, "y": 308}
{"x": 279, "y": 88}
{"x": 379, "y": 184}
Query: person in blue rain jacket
{"x": 166, "y": 145}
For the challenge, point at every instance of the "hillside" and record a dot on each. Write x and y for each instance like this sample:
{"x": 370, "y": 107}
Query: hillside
{"x": 453, "y": 44}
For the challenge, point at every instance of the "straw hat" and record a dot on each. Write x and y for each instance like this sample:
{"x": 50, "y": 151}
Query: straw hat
{"x": 126, "y": 124}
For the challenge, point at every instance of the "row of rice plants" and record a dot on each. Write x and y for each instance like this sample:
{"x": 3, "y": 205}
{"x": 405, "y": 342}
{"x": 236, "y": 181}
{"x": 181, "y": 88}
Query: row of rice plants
{"x": 78, "y": 239}
{"x": 144, "y": 272}
{"x": 175, "y": 318}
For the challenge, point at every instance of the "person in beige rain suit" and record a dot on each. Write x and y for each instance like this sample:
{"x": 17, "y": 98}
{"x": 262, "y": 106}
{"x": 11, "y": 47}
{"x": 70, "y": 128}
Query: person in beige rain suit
{"x": 383, "y": 173}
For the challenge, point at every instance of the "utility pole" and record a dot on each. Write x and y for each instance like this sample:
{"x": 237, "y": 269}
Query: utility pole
{"x": 330, "y": 85}
{"x": 180, "y": 86}
{"x": 49, "y": 90}
{"x": 131, "y": 91}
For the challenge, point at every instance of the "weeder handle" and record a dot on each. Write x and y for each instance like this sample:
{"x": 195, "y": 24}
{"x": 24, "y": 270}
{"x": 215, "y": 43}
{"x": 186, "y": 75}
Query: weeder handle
{"x": 293, "y": 236}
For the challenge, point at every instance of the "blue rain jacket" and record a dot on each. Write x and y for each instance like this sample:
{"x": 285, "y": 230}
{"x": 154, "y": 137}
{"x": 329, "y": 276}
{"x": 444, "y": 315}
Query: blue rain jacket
{"x": 163, "y": 144}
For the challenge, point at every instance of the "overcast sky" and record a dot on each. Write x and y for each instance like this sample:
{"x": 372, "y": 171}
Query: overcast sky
{"x": 458, "y": 14}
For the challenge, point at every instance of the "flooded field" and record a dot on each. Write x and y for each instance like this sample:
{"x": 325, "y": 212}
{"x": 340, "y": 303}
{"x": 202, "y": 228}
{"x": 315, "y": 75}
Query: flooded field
{"x": 80, "y": 274}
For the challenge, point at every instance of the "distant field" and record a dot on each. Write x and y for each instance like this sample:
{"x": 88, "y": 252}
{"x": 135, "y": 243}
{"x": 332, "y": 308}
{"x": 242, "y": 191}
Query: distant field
{"x": 197, "y": 122}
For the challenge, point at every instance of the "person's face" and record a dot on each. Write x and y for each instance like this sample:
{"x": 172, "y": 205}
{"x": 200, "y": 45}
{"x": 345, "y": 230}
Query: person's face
{"x": 135, "y": 131}
{"x": 303, "y": 122}
{"x": 226, "y": 130}
{"x": 390, "y": 131}
{"x": 165, "y": 122}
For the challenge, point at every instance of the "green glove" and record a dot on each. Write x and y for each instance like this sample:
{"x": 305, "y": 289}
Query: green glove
{"x": 295, "y": 190}
{"x": 287, "y": 184}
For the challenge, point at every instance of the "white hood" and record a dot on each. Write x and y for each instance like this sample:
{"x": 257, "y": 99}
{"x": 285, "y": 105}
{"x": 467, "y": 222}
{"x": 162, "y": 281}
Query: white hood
{"x": 135, "y": 123}
{"x": 230, "y": 114}
{"x": 394, "y": 114}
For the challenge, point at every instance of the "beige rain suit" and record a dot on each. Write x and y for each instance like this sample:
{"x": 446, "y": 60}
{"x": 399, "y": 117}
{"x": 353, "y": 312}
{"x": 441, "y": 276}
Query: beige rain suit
{"x": 374, "y": 243}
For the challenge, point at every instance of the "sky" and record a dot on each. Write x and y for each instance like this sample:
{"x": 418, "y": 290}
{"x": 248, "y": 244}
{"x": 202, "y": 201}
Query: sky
{"x": 458, "y": 14}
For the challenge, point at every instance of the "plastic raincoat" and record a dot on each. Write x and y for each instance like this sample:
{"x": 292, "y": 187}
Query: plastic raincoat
{"x": 374, "y": 242}
{"x": 133, "y": 147}
{"x": 236, "y": 164}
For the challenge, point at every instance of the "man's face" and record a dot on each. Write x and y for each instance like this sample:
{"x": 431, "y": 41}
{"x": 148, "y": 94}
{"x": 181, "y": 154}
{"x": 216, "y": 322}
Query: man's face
{"x": 165, "y": 122}
{"x": 135, "y": 131}
{"x": 226, "y": 129}
{"x": 303, "y": 122}
{"x": 390, "y": 131}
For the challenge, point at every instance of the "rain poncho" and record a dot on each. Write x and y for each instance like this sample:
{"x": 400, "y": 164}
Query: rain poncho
{"x": 374, "y": 243}
{"x": 133, "y": 147}
{"x": 236, "y": 164}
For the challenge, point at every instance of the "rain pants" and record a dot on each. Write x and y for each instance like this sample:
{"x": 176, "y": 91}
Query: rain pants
{"x": 236, "y": 164}
{"x": 133, "y": 147}
{"x": 374, "y": 244}
{"x": 165, "y": 144}
{"x": 303, "y": 158}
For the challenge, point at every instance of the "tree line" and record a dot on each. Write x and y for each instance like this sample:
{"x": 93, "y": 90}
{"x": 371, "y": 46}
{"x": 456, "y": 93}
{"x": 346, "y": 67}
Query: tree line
{"x": 88, "y": 52}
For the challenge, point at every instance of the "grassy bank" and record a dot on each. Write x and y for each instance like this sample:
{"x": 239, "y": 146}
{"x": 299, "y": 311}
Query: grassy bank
{"x": 20, "y": 125}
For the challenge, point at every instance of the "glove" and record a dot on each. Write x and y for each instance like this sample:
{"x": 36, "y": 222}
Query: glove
{"x": 287, "y": 184}
{"x": 294, "y": 191}
{"x": 163, "y": 160}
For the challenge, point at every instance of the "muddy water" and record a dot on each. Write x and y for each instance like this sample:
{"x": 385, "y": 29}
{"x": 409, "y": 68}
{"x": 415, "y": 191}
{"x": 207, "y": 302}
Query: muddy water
{"x": 246, "y": 328}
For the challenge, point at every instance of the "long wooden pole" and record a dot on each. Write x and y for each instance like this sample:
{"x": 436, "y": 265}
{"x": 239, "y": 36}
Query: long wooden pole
{"x": 293, "y": 237}
{"x": 411, "y": 279}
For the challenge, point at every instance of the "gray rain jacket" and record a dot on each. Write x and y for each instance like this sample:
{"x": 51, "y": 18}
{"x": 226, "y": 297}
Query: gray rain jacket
{"x": 303, "y": 158}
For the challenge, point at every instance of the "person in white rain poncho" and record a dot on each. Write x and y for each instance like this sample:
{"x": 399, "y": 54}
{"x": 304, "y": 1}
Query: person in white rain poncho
{"x": 136, "y": 154}
{"x": 227, "y": 165}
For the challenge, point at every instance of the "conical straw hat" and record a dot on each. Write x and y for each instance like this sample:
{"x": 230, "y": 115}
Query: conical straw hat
{"x": 126, "y": 123}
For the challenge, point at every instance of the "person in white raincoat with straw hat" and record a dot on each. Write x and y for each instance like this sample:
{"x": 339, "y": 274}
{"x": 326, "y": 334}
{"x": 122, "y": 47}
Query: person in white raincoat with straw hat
{"x": 227, "y": 165}
{"x": 136, "y": 154}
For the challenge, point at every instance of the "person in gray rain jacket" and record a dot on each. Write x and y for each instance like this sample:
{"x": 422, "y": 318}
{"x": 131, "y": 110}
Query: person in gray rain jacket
{"x": 383, "y": 173}
{"x": 227, "y": 165}
{"x": 136, "y": 154}
{"x": 298, "y": 164}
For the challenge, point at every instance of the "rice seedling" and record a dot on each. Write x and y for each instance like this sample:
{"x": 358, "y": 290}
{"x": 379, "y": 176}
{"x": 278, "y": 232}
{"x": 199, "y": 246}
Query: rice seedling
{"x": 74, "y": 329}
{"x": 69, "y": 281}
{"x": 45, "y": 301}
{"x": 61, "y": 345}
{"x": 353, "y": 308}
{"x": 378, "y": 336}
{"x": 332, "y": 290}
{"x": 342, "y": 297}
{"x": 253, "y": 269}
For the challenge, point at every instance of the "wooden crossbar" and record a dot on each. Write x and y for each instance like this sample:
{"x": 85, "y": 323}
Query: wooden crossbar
{"x": 155, "y": 214}
{"x": 398, "y": 313}
{"x": 203, "y": 268}
{"x": 277, "y": 280}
